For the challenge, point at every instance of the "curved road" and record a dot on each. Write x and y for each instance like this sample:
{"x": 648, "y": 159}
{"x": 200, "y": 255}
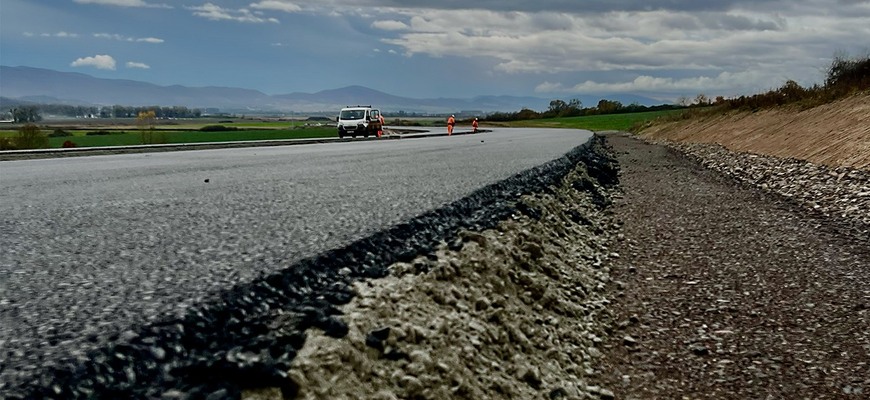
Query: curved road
{"x": 91, "y": 245}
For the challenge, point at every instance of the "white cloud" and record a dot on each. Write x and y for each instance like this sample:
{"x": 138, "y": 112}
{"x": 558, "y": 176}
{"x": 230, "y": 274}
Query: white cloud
{"x": 108, "y": 36}
{"x": 98, "y": 61}
{"x": 124, "y": 3}
{"x": 138, "y": 65}
{"x": 724, "y": 81}
{"x": 277, "y": 5}
{"x": 58, "y": 35}
{"x": 115, "y": 36}
{"x": 390, "y": 25}
{"x": 218, "y": 13}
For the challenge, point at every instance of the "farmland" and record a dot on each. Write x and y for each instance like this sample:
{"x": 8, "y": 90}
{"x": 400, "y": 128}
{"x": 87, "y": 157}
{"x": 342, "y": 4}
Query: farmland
{"x": 124, "y": 132}
{"x": 608, "y": 122}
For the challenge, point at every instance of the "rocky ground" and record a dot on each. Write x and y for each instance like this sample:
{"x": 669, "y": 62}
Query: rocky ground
{"x": 732, "y": 291}
{"x": 838, "y": 192}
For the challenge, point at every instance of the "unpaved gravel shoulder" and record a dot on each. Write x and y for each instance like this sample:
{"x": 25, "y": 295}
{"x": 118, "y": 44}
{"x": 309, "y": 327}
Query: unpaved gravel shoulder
{"x": 515, "y": 312}
{"x": 730, "y": 292}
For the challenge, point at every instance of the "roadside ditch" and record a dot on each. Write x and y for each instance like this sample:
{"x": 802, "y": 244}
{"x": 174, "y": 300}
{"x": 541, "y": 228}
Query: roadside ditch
{"x": 840, "y": 193}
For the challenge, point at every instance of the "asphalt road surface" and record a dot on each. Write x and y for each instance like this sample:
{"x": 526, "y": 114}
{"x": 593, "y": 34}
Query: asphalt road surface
{"x": 92, "y": 245}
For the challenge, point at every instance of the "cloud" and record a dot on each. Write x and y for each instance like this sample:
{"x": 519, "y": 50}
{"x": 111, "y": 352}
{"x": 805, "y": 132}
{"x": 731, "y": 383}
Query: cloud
{"x": 218, "y": 13}
{"x": 138, "y": 65}
{"x": 555, "y": 6}
{"x": 98, "y": 61}
{"x": 115, "y": 36}
{"x": 549, "y": 42}
{"x": 646, "y": 83}
{"x": 124, "y": 3}
{"x": 390, "y": 25}
{"x": 58, "y": 34}
{"x": 277, "y": 5}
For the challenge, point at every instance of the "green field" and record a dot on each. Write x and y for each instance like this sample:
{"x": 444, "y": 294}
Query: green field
{"x": 168, "y": 136}
{"x": 125, "y": 133}
{"x": 610, "y": 122}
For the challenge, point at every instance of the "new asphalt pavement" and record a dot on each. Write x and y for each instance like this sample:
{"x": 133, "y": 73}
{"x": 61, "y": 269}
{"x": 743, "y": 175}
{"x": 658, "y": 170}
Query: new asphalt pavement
{"x": 94, "y": 245}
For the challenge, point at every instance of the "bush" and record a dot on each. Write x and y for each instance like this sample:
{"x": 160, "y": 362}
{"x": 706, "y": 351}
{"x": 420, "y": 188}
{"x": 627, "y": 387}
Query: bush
{"x": 846, "y": 75}
{"x": 98, "y": 133}
{"x": 7, "y": 144}
{"x": 59, "y": 133}
{"x": 849, "y": 73}
{"x": 31, "y": 137}
{"x": 69, "y": 144}
{"x": 218, "y": 128}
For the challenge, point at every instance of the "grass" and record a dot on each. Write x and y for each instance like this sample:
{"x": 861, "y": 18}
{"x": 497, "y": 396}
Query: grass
{"x": 132, "y": 137}
{"x": 124, "y": 135}
{"x": 610, "y": 122}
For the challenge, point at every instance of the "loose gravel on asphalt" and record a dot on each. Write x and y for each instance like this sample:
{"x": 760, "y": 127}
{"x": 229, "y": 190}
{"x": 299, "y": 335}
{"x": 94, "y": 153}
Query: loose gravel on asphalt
{"x": 731, "y": 292}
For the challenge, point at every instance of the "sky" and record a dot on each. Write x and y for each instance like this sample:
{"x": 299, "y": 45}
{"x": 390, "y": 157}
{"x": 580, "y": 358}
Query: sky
{"x": 664, "y": 49}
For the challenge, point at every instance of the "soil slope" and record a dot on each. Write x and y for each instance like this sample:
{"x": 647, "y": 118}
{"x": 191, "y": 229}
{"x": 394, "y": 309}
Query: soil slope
{"x": 835, "y": 134}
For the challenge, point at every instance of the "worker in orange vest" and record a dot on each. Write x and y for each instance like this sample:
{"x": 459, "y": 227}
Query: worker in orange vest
{"x": 474, "y": 125}
{"x": 381, "y": 128}
{"x": 450, "y": 122}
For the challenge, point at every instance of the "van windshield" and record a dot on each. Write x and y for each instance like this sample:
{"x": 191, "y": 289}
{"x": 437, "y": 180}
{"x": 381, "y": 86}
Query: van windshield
{"x": 352, "y": 114}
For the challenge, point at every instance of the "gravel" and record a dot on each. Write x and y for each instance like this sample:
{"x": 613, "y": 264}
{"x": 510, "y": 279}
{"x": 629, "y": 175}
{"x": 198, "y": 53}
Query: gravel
{"x": 735, "y": 290}
{"x": 836, "y": 192}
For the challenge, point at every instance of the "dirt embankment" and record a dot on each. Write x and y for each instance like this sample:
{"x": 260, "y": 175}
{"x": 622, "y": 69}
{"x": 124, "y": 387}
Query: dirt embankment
{"x": 835, "y": 134}
{"x": 512, "y": 312}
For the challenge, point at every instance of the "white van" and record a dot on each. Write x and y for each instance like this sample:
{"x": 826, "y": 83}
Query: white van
{"x": 359, "y": 120}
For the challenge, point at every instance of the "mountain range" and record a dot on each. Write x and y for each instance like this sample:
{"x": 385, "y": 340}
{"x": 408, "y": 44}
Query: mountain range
{"x": 47, "y": 86}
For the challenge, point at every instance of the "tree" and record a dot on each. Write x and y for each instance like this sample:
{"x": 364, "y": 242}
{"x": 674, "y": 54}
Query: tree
{"x": 557, "y": 107}
{"x": 526, "y": 114}
{"x": 31, "y": 137}
{"x": 26, "y": 114}
{"x": 146, "y": 121}
{"x": 608, "y": 106}
{"x": 683, "y": 101}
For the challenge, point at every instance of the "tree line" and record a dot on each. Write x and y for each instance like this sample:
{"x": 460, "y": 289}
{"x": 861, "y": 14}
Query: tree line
{"x": 574, "y": 108}
{"x": 34, "y": 112}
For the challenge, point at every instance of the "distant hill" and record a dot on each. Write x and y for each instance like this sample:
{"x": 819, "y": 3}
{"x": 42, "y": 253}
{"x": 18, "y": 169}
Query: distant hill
{"x": 48, "y": 86}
